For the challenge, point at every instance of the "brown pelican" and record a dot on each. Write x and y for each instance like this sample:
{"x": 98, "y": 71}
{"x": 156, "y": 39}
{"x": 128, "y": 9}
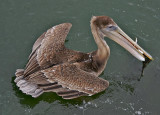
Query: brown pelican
{"x": 71, "y": 74}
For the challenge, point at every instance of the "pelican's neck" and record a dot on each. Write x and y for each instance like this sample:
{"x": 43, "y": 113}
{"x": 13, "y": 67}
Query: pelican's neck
{"x": 103, "y": 51}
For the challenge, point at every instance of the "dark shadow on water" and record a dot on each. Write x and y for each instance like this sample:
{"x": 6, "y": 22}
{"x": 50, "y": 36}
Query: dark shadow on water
{"x": 49, "y": 97}
{"x": 66, "y": 40}
{"x": 127, "y": 83}
{"x": 145, "y": 63}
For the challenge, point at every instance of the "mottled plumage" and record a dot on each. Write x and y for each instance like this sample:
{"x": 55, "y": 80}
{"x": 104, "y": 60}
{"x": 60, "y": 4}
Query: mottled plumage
{"x": 71, "y": 74}
{"x": 54, "y": 68}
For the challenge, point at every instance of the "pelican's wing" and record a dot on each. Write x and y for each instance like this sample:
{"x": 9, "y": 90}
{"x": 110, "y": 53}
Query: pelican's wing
{"x": 67, "y": 80}
{"x": 37, "y": 45}
{"x": 46, "y": 47}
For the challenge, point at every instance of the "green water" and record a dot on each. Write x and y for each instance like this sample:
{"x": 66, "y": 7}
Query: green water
{"x": 23, "y": 21}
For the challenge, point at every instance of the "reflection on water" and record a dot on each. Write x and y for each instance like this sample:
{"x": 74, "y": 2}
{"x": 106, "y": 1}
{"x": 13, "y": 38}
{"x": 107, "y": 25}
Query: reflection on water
{"x": 115, "y": 86}
{"x": 49, "y": 97}
{"x": 120, "y": 85}
{"x": 145, "y": 63}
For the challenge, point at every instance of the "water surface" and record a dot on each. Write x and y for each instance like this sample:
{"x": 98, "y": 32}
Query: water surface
{"x": 129, "y": 93}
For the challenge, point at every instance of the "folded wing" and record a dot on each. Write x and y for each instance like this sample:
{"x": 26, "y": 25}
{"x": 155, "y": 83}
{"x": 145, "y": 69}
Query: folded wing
{"x": 67, "y": 80}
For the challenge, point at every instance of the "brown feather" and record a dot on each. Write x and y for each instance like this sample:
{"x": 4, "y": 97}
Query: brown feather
{"x": 37, "y": 45}
{"x": 72, "y": 96}
{"x": 54, "y": 68}
{"x": 69, "y": 76}
{"x": 67, "y": 80}
{"x": 45, "y": 48}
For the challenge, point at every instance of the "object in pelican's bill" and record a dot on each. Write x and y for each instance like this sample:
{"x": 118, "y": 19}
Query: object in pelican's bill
{"x": 54, "y": 68}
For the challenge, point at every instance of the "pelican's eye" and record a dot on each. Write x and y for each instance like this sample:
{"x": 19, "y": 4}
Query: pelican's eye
{"x": 111, "y": 28}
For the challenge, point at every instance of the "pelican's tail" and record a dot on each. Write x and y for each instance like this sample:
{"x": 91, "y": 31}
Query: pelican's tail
{"x": 19, "y": 75}
{"x": 26, "y": 86}
{"x": 19, "y": 72}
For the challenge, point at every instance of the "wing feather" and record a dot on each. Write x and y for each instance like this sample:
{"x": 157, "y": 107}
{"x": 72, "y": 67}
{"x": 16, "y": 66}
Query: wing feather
{"x": 71, "y": 77}
{"x": 67, "y": 80}
{"x": 46, "y": 47}
{"x": 37, "y": 44}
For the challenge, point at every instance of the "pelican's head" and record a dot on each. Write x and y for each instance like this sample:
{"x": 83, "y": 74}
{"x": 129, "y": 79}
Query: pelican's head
{"x": 108, "y": 28}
